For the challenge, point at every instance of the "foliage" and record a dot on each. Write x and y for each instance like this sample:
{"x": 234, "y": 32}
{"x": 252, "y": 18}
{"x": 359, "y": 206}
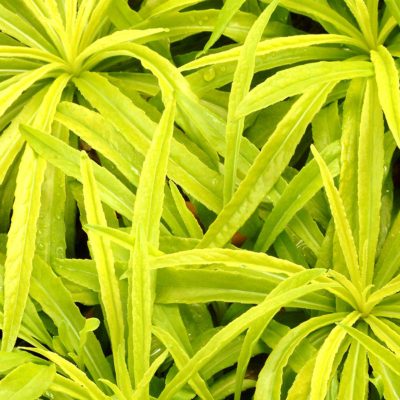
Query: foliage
{"x": 233, "y": 166}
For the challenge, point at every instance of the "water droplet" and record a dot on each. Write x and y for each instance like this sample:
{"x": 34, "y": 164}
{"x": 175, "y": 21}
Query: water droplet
{"x": 41, "y": 246}
{"x": 209, "y": 74}
{"x": 223, "y": 69}
{"x": 60, "y": 252}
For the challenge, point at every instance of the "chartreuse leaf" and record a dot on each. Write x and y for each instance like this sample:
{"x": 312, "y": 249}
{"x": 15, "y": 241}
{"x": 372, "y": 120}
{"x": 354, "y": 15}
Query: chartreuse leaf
{"x": 138, "y": 128}
{"x": 56, "y": 301}
{"x": 348, "y": 186}
{"x": 389, "y": 259}
{"x": 367, "y": 26}
{"x": 117, "y": 38}
{"x": 149, "y": 375}
{"x": 266, "y": 169}
{"x": 229, "y": 9}
{"x": 46, "y": 17}
{"x": 394, "y": 8}
{"x": 270, "y": 378}
{"x": 10, "y": 140}
{"x": 232, "y": 285}
{"x": 166, "y": 7}
{"x": 109, "y": 288}
{"x": 376, "y": 349}
{"x": 92, "y": 390}
{"x": 21, "y": 245}
{"x": 150, "y": 193}
{"x": 10, "y": 361}
{"x": 326, "y": 356}
{"x": 65, "y": 386}
{"x": 387, "y": 79}
{"x": 33, "y": 330}
{"x": 300, "y": 190}
{"x": 171, "y": 79}
{"x": 102, "y": 136}
{"x": 50, "y": 226}
{"x": 122, "y": 16}
{"x": 253, "y": 335}
{"x": 240, "y": 86}
{"x": 64, "y": 157}
{"x": 14, "y": 25}
{"x": 385, "y": 332}
{"x": 354, "y": 378}
{"x": 27, "y": 382}
{"x": 188, "y": 218}
{"x": 326, "y": 127}
{"x": 146, "y": 228}
{"x": 325, "y": 14}
{"x": 235, "y": 258}
{"x": 267, "y": 48}
{"x": 390, "y": 380}
{"x": 341, "y": 222}
{"x": 370, "y": 177}
{"x": 95, "y": 22}
{"x": 299, "y": 287}
{"x": 299, "y": 79}
{"x": 390, "y": 289}
{"x": 300, "y": 390}
{"x": 12, "y": 88}
{"x": 225, "y": 386}
{"x": 181, "y": 358}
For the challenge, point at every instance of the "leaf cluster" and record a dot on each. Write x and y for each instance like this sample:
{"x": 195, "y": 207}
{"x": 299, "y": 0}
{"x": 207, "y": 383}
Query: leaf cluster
{"x": 199, "y": 199}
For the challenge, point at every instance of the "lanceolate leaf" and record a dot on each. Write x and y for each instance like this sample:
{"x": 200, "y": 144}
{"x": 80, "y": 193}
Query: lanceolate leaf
{"x": 299, "y": 191}
{"x": 325, "y": 358}
{"x": 352, "y": 108}
{"x": 12, "y": 88}
{"x": 268, "y": 47}
{"x": 354, "y": 379}
{"x": 298, "y": 79}
{"x": 394, "y": 8}
{"x": 181, "y": 358}
{"x": 341, "y": 222}
{"x": 225, "y": 15}
{"x": 388, "y": 262}
{"x": 323, "y": 13}
{"x": 10, "y": 141}
{"x": 27, "y": 382}
{"x": 78, "y": 376}
{"x": 376, "y": 349}
{"x": 102, "y": 136}
{"x": 265, "y": 171}
{"x": 145, "y": 227}
{"x": 370, "y": 176}
{"x": 387, "y": 79}
{"x": 270, "y": 305}
{"x": 21, "y": 245}
{"x": 103, "y": 256}
{"x": 58, "y": 153}
{"x": 56, "y": 301}
{"x": 270, "y": 379}
{"x": 240, "y": 87}
{"x": 137, "y": 128}
{"x": 391, "y": 383}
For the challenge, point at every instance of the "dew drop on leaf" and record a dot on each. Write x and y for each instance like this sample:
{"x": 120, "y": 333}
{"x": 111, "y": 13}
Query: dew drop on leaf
{"x": 209, "y": 74}
{"x": 60, "y": 252}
